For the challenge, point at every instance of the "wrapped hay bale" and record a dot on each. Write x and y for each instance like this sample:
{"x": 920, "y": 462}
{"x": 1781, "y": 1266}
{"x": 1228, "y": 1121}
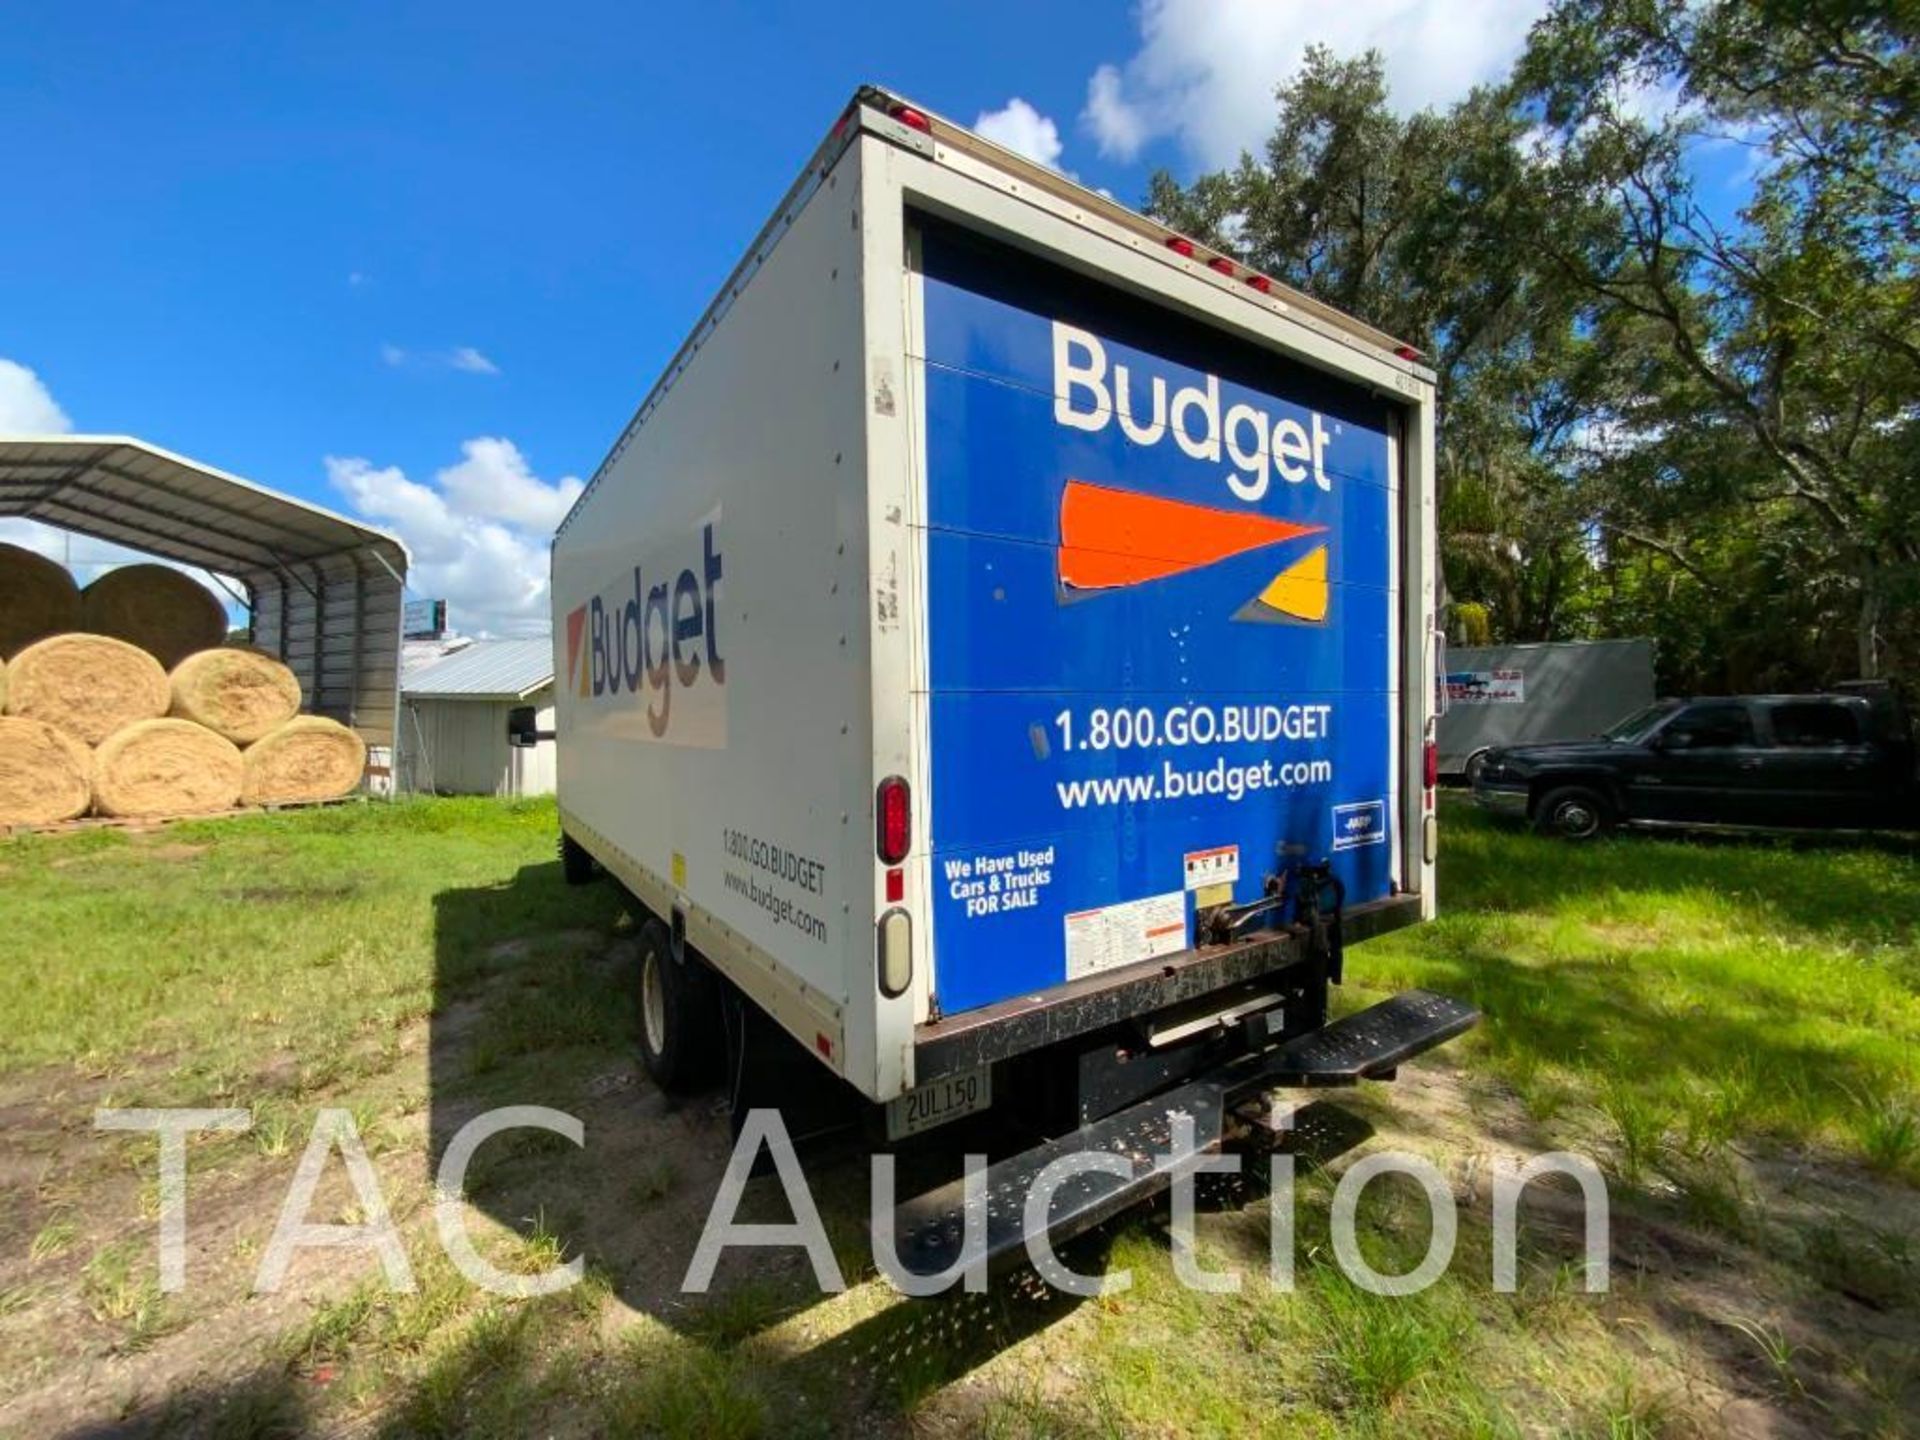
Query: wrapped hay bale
{"x": 308, "y": 758}
{"x": 241, "y": 694}
{"x": 37, "y": 598}
{"x": 86, "y": 685}
{"x": 165, "y": 767}
{"x": 165, "y": 613}
{"x": 45, "y": 774}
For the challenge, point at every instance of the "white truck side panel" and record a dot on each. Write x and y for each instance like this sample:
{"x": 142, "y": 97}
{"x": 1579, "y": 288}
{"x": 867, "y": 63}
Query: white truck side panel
{"x": 742, "y": 798}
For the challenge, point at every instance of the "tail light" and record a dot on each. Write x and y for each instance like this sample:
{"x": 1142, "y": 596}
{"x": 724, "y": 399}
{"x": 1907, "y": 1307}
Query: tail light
{"x": 893, "y": 820}
{"x": 1430, "y": 765}
{"x": 893, "y": 953}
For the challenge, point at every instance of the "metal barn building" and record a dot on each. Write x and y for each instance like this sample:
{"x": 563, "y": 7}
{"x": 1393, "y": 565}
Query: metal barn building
{"x": 321, "y": 592}
{"x": 453, "y": 719}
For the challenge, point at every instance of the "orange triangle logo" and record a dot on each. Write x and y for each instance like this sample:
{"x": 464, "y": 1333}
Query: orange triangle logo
{"x": 576, "y": 646}
{"x": 1110, "y": 538}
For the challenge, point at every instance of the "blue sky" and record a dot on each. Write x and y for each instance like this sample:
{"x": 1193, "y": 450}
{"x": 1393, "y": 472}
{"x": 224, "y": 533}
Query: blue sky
{"x": 422, "y": 262}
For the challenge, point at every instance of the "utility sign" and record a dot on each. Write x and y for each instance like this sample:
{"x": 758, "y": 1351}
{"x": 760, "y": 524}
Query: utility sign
{"x": 1487, "y": 687}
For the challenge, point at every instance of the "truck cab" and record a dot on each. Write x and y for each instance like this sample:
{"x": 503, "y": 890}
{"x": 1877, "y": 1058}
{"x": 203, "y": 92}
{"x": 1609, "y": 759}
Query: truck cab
{"x": 1831, "y": 761}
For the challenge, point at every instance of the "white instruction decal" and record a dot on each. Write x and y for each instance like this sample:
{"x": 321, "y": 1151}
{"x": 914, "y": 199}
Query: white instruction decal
{"x": 1123, "y": 934}
{"x": 1218, "y": 866}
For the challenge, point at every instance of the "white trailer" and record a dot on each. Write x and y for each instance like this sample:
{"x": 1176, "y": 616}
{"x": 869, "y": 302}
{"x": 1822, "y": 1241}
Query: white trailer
{"x": 997, "y": 600}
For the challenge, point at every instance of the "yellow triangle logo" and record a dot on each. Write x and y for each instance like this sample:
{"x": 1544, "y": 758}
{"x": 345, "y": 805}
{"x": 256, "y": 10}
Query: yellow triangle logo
{"x": 1300, "y": 590}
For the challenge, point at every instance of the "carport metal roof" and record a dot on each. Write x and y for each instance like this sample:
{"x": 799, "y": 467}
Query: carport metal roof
{"x": 325, "y": 591}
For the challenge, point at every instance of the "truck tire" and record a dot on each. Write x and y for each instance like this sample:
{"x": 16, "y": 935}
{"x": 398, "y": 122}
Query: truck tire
{"x": 577, "y": 867}
{"x": 677, "y": 1010}
{"x": 1573, "y": 812}
{"x": 1476, "y": 762}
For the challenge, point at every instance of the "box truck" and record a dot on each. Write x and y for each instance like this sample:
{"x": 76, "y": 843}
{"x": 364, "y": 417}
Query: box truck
{"x": 999, "y": 654}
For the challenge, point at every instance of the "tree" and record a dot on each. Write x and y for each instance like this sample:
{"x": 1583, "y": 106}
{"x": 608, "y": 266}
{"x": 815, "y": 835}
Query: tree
{"x": 1794, "y": 333}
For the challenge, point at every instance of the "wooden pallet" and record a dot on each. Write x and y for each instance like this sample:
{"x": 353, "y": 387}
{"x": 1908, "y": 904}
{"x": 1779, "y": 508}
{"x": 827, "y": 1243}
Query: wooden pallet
{"x": 155, "y": 822}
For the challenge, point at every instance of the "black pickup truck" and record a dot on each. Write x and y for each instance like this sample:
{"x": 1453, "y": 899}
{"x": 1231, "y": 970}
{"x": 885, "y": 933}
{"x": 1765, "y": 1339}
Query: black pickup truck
{"x": 1837, "y": 761}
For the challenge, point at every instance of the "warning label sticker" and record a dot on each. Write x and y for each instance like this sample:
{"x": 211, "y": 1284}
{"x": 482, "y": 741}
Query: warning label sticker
{"x": 1124, "y": 934}
{"x": 1218, "y": 866}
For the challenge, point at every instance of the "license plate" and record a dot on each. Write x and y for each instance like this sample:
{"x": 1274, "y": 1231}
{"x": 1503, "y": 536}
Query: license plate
{"x": 938, "y": 1101}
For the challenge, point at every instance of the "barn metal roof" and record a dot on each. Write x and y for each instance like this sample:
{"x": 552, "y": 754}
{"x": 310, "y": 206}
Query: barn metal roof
{"x": 114, "y": 487}
{"x": 485, "y": 670}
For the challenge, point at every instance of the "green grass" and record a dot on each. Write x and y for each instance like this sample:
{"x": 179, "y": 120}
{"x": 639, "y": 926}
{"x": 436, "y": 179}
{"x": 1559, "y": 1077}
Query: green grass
{"x": 1692, "y": 1013}
{"x": 276, "y": 953}
{"x": 1693, "y": 994}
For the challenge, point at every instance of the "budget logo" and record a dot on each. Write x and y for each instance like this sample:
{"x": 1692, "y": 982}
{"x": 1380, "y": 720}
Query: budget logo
{"x": 1112, "y": 537}
{"x": 652, "y": 638}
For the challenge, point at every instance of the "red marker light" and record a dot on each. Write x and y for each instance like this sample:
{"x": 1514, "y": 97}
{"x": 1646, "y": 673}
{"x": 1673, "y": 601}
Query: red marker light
{"x": 1180, "y": 245}
{"x": 1406, "y": 352}
{"x": 893, "y": 817}
{"x": 1261, "y": 283}
{"x": 1430, "y": 765}
{"x": 911, "y": 118}
{"x": 1222, "y": 264}
{"x": 896, "y": 886}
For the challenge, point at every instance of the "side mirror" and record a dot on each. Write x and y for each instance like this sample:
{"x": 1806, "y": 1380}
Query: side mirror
{"x": 523, "y": 730}
{"x": 1673, "y": 740}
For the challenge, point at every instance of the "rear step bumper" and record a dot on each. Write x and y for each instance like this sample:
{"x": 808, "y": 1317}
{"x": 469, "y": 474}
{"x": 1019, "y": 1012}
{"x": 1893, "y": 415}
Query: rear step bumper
{"x": 929, "y": 1230}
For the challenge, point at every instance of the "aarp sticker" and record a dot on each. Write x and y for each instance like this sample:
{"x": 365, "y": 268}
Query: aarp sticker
{"x": 1362, "y": 823}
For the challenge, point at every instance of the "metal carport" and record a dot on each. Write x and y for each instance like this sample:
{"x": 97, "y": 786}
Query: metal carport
{"x": 323, "y": 590}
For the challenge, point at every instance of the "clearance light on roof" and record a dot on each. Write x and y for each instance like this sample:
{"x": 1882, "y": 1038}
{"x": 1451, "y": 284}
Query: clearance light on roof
{"x": 1180, "y": 245}
{"x": 911, "y": 118}
{"x": 1406, "y": 352}
{"x": 1261, "y": 283}
{"x": 1222, "y": 264}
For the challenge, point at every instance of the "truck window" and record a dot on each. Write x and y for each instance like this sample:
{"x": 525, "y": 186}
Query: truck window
{"x": 1814, "y": 724}
{"x": 1713, "y": 726}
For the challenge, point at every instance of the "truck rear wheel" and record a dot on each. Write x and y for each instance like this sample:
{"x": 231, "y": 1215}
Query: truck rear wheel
{"x": 577, "y": 867}
{"x": 1573, "y": 812}
{"x": 678, "y": 1014}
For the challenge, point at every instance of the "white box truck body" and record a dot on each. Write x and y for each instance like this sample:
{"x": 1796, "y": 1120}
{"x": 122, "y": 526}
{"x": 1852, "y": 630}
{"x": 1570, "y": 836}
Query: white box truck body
{"x": 992, "y": 596}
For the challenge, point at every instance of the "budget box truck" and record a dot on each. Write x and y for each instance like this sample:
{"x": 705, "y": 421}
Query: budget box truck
{"x": 1000, "y": 655}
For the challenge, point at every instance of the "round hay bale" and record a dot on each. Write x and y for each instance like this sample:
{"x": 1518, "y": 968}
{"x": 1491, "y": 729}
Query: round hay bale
{"x": 86, "y": 685}
{"x": 165, "y": 613}
{"x": 308, "y": 758}
{"x": 45, "y": 774}
{"x": 166, "y": 767}
{"x": 3, "y": 687}
{"x": 241, "y": 694}
{"x": 37, "y": 598}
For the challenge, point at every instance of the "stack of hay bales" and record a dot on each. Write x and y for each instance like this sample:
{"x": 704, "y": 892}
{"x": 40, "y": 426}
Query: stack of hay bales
{"x": 91, "y": 720}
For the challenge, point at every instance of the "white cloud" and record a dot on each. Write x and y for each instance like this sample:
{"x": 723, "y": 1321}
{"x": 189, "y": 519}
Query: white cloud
{"x": 465, "y": 357}
{"x": 494, "y": 479}
{"x": 1206, "y": 70}
{"x": 478, "y": 534}
{"x": 1023, "y": 130}
{"x": 27, "y": 407}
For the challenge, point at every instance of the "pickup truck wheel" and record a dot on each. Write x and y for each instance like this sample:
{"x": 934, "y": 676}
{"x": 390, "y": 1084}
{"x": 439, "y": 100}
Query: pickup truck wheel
{"x": 577, "y": 867}
{"x": 678, "y": 1014}
{"x": 1476, "y": 762}
{"x": 1573, "y": 812}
